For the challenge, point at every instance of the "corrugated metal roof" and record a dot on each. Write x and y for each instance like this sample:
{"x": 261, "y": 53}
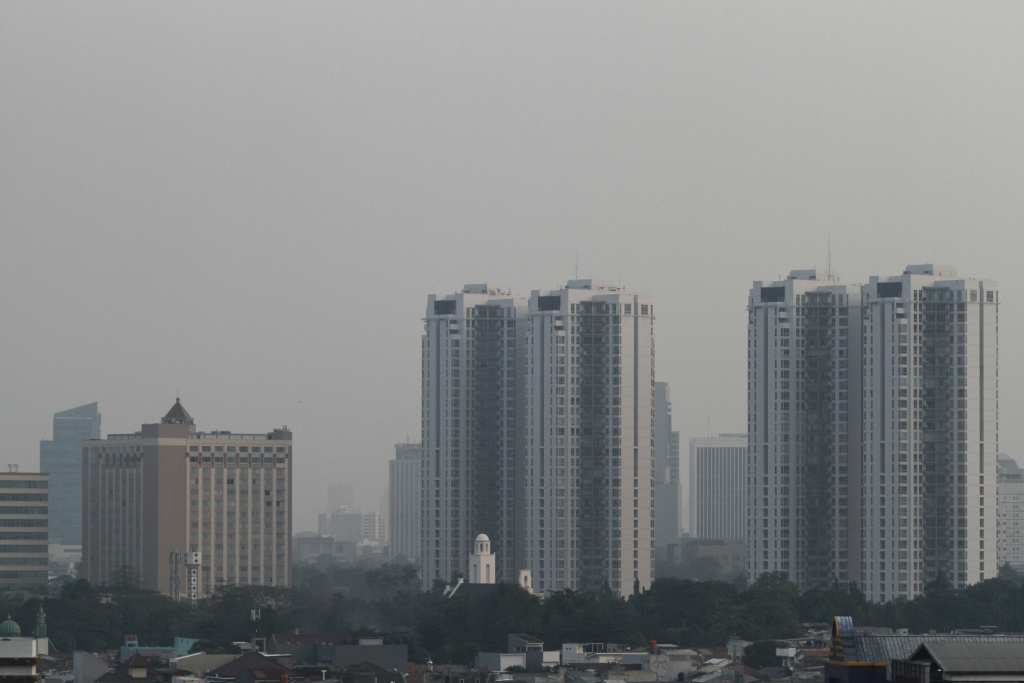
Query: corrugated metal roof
{"x": 887, "y": 648}
{"x": 975, "y": 657}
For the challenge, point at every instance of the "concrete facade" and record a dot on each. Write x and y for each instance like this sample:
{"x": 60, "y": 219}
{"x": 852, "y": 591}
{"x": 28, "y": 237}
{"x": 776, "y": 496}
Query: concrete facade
{"x": 718, "y": 486}
{"x": 24, "y": 520}
{"x": 872, "y": 417}
{"x": 170, "y": 488}
{"x": 537, "y": 431}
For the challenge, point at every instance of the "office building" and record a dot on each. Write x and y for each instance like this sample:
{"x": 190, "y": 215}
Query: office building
{"x": 473, "y": 366}
{"x": 802, "y": 410}
{"x": 405, "y": 482}
{"x": 872, "y": 415}
{"x": 61, "y": 457}
{"x": 1010, "y": 492}
{"x": 589, "y": 434}
{"x": 350, "y": 525}
{"x": 24, "y": 520}
{"x": 537, "y": 432}
{"x": 718, "y": 487}
{"x": 172, "y": 489}
{"x": 666, "y": 475}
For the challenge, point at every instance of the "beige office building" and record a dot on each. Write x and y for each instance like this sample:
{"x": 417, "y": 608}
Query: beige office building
{"x": 24, "y": 521}
{"x": 170, "y": 489}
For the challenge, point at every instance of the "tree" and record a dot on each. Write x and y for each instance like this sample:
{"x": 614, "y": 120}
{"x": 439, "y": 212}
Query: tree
{"x": 761, "y": 653}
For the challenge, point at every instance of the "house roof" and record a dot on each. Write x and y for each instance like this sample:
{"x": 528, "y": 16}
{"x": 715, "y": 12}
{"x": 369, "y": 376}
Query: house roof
{"x": 249, "y": 660}
{"x": 136, "y": 661}
{"x": 308, "y": 638}
{"x": 965, "y": 657}
{"x": 177, "y": 414}
{"x": 264, "y": 674}
{"x": 884, "y": 649}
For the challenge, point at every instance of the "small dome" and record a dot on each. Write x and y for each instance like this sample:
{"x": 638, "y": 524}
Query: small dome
{"x": 10, "y": 628}
{"x": 483, "y": 537}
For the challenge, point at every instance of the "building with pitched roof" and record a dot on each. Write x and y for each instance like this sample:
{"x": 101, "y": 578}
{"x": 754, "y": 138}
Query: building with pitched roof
{"x": 219, "y": 501}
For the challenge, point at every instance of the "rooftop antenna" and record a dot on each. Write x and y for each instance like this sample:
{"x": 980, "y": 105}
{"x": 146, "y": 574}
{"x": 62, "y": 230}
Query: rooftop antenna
{"x": 577, "y": 262}
{"x": 830, "y": 255}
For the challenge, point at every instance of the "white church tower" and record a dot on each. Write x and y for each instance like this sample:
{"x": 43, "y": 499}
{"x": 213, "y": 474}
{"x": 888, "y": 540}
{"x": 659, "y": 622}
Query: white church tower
{"x": 481, "y": 561}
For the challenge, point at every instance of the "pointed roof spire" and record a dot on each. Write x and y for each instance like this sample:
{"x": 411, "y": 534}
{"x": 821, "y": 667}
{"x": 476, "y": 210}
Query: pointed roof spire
{"x": 177, "y": 415}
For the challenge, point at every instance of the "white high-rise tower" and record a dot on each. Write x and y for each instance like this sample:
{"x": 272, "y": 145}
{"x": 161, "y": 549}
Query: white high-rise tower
{"x": 930, "y": 430}
{"x": 589, "y": 432}
{"x": 537, "y": 432}
{"x": 471, "y": 428}
{"x": 872, "y": 418}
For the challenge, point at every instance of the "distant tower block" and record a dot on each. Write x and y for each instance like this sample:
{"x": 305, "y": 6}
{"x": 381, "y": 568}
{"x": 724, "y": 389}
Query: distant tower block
{"x": 481, "y": 562}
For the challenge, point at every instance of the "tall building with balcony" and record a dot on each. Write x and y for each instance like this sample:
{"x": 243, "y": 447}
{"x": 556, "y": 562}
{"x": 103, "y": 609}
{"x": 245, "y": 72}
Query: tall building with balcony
{"x": 61, "y": 457}
{"x": 405, "y": 475}
{"x": 537, "y": 432}
{"x": 872, "y": 418}
{"x": 930, "y": 366}
{"x": 172, "y": 489}
{"x": 589, "y": 438}
{"x": 803, "y": 391}
{"x": 473, "y": 352}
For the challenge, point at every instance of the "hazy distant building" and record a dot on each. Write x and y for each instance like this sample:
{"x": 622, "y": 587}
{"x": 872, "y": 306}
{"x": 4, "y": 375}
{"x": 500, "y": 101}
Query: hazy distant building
{"x": 537, "y": 432}
{"x": 665, "y": 473}
{"x": 339, "y": 495}
{"x": 718, "y": 487}
{"x": 350, "y": 525}
{"x": 472, "y": 428}
{"x": 1010, "y": 494}
{"x": 61, "y": 457}
{"x": 873, "y": 424}
{"x": 24, "y": 520}
{"x": 170, "y": 488}
{"x": 405, "y": 482}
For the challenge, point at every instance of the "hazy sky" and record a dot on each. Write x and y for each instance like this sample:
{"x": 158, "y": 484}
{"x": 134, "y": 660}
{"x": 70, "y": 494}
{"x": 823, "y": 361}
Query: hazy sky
{"x": 248, "y": 203}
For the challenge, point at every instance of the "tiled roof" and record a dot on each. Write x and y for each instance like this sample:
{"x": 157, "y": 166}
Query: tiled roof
{"x": 249, "y": 660}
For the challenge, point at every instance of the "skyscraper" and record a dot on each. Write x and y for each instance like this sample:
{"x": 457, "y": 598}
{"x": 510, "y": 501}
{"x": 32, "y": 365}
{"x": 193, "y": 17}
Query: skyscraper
{"x": 803, "y": 406}
{"x": 718, "y": 487}
{"x": 589, "y": 433}
{"x": 473, "y": 365}
{"x": 170, "y": 488}
{"x": 61, "y": 457}
{"x": 872, "y": 416}
{"x": 537, "y": 431}
{"x": 405, "y": 484}
{"x": 930, "y": 430}
{"x": 666, "y": 473}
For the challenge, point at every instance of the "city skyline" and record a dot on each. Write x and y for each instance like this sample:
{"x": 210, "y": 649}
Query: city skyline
{"x": 196, "y": 203}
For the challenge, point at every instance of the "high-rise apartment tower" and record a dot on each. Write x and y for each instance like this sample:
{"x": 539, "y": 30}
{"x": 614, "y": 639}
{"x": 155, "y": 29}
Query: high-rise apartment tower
{"x": 872, "y": 417}
{"x": 537, "y": 431}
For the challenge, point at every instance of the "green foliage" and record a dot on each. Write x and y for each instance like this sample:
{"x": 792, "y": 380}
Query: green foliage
{"x": 761, "y": 653}
{"x": 385, "y": 601}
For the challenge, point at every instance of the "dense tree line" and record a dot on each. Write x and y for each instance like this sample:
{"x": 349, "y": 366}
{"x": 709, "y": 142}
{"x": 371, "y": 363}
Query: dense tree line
{"x": 386, "y": 600}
